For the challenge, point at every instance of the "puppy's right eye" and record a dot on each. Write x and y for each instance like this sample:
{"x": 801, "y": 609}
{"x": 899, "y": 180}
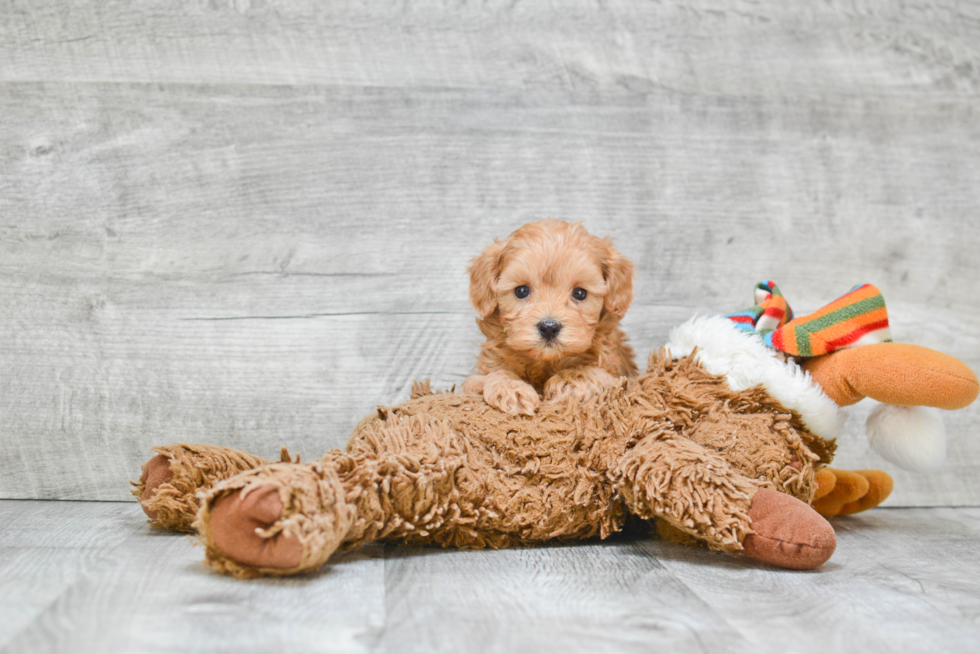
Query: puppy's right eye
{"x": 522, "y": 292}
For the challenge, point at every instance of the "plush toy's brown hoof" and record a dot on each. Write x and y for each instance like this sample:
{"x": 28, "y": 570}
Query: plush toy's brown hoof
{"x": 788, "y": 532}
{"x": 237, "y": 520}
{"x": 156, "y": 472}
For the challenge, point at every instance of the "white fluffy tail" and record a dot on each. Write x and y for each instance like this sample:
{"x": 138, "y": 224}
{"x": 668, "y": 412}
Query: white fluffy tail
{"x": 911, "y": 437}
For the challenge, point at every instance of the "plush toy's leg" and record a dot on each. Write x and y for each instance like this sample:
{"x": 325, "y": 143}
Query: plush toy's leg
{"x": 699, "y": 493}
{"x": 894, "y": 373}
{"x": 403, "y": 476}
{"x": 169, "y": 482}
{"x": 280, "y": 519}
{"x": 843, "y": 492}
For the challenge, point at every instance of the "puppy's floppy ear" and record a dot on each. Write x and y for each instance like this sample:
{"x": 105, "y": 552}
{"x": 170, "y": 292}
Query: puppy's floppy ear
{"x": 484, "y": 270}
{"x": 618, "y": 272}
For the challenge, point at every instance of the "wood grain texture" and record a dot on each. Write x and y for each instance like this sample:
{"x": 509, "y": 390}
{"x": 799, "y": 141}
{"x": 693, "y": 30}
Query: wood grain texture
{"x": 248, "y": 223}
{"x": 45, "y": 547}
{"x": 900, "y": 580}
{"x": 150, "y": 592}
{"x": 595, "y": 597}
{"x": 841, "y": 48}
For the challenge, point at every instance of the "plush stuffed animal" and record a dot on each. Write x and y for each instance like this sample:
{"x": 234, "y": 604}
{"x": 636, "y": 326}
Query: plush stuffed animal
{"x": 723, "y": 441}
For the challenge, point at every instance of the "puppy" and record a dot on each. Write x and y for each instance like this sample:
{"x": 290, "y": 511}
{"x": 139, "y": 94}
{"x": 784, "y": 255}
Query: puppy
{"x": 549, "y": 298}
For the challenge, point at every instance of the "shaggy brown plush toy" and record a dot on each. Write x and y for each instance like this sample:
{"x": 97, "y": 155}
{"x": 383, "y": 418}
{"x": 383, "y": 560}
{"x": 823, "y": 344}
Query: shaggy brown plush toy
{"x": 724, "y": 441}
{"x": 731, "y": 469}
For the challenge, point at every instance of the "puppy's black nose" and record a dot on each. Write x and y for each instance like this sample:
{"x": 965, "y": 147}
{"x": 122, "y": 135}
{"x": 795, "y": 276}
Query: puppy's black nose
{"x": 549, "y": 328}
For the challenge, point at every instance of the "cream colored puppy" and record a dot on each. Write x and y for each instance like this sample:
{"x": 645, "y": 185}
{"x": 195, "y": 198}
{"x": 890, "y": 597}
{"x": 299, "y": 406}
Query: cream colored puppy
{"x": 549, "y": 298}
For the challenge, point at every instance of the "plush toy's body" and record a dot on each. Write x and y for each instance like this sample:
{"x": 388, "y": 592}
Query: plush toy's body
{"x": 447, "y": 469}
{"x": 729, "y": 460}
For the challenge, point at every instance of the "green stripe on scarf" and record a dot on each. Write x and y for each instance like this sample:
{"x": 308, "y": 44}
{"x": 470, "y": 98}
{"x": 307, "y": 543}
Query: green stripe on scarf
{"x": 843, "y": 314}
{"x": 803, "y": 342}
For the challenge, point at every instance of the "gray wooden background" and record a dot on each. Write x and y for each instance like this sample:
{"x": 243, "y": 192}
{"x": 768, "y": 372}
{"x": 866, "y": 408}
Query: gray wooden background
{"x": 248, "y": 223}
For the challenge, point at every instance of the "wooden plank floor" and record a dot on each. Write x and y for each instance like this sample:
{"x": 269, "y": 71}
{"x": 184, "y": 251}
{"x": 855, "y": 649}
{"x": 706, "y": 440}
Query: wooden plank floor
{"x": 93, "y": 577}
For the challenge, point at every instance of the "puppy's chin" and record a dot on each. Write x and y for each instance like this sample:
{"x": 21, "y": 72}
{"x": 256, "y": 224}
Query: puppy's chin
{"x": 538, "y": 349}
{"x": 548, "y": 351}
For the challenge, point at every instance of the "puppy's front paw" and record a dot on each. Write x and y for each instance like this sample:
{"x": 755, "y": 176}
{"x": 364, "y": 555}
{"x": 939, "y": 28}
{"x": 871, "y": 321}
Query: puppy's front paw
{"x": 577, "y": 383}
{"x": 473, "y": 384}
{"x": 510, "y": 395}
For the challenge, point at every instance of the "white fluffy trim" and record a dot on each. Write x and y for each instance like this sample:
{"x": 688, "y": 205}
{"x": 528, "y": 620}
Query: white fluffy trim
{"x": 723, "y": 349}
{"x": 911, "y": 437}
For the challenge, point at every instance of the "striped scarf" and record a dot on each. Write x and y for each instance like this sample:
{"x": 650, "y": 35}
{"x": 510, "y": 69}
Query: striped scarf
{"x": 857, "y": 318}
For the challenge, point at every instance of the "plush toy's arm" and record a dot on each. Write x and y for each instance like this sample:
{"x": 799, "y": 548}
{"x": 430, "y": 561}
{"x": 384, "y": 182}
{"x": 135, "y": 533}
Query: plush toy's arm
{"x": 696, "y": 491}
{"x": 674, "y": 478}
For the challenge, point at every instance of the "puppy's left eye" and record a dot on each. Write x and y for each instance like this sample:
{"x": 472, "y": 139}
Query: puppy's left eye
{"x": 580, "y": 294}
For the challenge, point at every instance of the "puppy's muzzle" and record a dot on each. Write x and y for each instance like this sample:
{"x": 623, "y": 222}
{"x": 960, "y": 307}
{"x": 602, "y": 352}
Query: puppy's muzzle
{"x": 549, "y": 328}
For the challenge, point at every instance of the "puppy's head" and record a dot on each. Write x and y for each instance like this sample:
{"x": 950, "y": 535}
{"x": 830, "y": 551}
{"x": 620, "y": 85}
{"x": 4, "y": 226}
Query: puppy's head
{"x": 551, "y": 282}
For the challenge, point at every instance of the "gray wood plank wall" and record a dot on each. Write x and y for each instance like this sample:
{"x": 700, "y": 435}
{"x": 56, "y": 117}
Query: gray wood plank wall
{"x": 248, "y": 223}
